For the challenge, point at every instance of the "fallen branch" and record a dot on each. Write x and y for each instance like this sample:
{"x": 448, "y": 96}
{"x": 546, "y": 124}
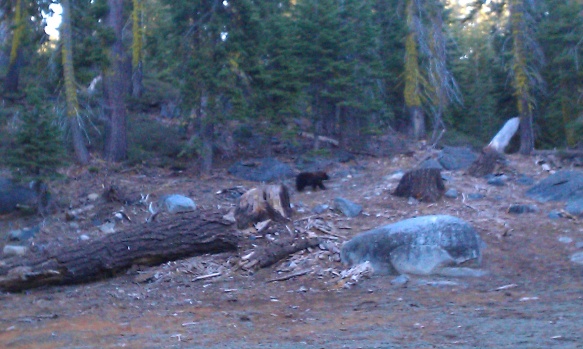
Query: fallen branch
{"x": 289, "y": 276}
{"x": 280, "y": 249}
{"x": 320, "y": 138}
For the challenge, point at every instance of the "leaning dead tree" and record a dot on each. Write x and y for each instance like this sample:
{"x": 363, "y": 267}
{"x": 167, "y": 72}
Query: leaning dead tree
{"x": 184, "y": 236}
{"x": 424, "y": 184}
{"x": 492, "y": 153}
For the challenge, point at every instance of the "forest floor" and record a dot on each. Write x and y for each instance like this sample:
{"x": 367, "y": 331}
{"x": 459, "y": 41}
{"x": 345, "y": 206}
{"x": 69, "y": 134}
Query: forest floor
{"x": 532, "y": 296}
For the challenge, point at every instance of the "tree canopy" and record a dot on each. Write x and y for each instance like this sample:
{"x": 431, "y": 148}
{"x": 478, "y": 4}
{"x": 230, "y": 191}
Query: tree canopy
{"x": 348, "y": 68}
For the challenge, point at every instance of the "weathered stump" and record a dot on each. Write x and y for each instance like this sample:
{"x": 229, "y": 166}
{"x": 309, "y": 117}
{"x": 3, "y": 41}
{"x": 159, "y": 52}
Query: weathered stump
{"x": 184, "y": 236}
{"x": 423, "y": 184}
{"x": 492, "y": 154}
{"x": 486, "y": 163}
{"x": 260, "y": 204}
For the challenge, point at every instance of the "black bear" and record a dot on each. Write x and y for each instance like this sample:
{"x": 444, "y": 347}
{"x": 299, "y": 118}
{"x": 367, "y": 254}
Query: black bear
{"x": 314, "y": 179}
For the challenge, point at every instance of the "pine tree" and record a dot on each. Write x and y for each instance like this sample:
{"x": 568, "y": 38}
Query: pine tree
{"x": 37, "y": 151}
{"x": 561, "y": 30}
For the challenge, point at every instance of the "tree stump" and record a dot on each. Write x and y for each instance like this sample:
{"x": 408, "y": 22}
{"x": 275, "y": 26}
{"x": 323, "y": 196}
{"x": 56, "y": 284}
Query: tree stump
{"x": 423, "y": 184}
{"x": 491, "y": 154}
{"x": 486, "y": 163}
{"x": 260, "y": 204}
{"x": 186, "y": 235}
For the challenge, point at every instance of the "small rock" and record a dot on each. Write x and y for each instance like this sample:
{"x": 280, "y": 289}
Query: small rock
{"x": 554, "y": 214}
{"x": 451, "y": 193}
{"x": 497, "y": 181}
{"x": 519, "y": 208}
{"x": 565, "y": 239}
{"x": 476, "y": 196}
{"x": 579, "y": 244}
{"x": 400, "y": 280}
{"x": 320, "y": 209}
{"x": 84, "y": 237}
{"x": 178, "y": 203}
{"x": 577, "y": 258}
{"x": 107, "y": 228}
{"x": 347, "y": 207}
{"x": 14, "y": 250}
{"x": 22, "y": 234}
{"x": 93, "y": 196}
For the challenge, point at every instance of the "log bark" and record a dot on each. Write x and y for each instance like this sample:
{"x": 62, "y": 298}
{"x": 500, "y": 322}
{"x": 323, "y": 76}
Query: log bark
{"x": 184, "y": 236}
{"x": 423, "y": 184}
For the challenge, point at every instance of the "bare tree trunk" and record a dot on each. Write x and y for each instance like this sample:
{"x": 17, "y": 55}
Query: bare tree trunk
{"x": 206, "y": 133}
{"x": 114, "y": 91}
{"x": 11, "y": 81}
{"x": 417, "y": 122}
{"x": 526, "y": 132}
{"x": 81, "y": 152}
{"x": 137, "y": 39}
{"x": 137, "y": 78}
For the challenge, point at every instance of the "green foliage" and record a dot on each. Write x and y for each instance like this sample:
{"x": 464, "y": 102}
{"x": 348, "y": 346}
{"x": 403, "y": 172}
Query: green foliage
{"x": 151, "y": 142}
{"x": 37, "y": 151}
{"x": 560, "y": 33}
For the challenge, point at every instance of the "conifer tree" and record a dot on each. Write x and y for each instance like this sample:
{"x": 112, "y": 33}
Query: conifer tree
{"x": 37, "y": 151}
{"x": 526, "y": 60}
{"x": 561, "y": 33}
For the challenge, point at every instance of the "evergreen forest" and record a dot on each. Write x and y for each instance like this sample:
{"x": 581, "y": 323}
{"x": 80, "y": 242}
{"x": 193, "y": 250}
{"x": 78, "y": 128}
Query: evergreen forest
{"x": 192, "y": 79}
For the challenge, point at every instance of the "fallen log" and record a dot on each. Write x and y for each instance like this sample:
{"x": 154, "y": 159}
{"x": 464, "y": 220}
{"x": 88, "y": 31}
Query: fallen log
{"x": 320, "y": 138}
{"x": 185, "y": 235}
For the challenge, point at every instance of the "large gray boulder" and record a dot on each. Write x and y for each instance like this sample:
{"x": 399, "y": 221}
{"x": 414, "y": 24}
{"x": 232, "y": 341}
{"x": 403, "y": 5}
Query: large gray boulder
{"x": 560, "y": 186}
{"x": 456, "y": 158}
{"x": 14, "y": 196}
{"x": 261, "y": 170}
{"x": 423, "y": 245}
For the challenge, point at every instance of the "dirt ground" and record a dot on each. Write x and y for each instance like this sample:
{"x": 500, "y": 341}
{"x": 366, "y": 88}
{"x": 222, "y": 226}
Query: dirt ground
{"x": 532, "y": 296}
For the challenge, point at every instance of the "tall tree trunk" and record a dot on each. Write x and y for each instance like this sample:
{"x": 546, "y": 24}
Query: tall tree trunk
{"x": 114, "y": 88}
{"x": 13, "y": 74}
{"x": 81, "y": 152}
{"x": 137, "y": 52}
{"x": 413, "y": 77}
{"x": 206, "y": 134}
{"x": 520, "y": 70}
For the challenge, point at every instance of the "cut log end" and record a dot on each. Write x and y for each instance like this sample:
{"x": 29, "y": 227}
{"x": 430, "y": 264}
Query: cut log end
{"x": 260, "y": 204}
{"x": 423, "y": 184}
